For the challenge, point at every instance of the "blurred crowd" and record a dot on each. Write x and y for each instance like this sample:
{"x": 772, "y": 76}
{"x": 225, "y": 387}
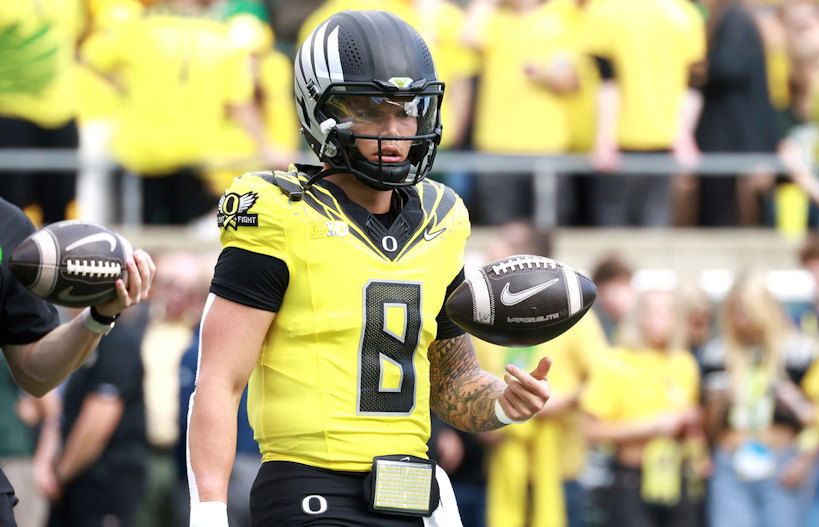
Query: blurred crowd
{"x": 183, "y": 95}
{"x": 669, "y": 407}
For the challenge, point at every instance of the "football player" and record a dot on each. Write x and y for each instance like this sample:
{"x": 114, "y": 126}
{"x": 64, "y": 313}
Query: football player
{"x": 328, "y": 296}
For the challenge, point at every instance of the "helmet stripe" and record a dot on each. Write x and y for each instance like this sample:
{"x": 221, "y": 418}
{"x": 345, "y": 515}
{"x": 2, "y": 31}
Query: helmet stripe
{"x": 305, "y": 53}
{"x": 333, "y": 58}
{"x": 318, "y": 54}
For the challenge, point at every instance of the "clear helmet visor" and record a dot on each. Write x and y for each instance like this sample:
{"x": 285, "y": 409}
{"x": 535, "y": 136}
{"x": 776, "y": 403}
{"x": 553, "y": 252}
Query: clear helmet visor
{"x": 412, "y": 118}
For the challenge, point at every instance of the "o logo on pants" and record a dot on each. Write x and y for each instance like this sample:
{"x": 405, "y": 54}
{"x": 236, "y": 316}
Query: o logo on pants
{"x": 308, "y": 504}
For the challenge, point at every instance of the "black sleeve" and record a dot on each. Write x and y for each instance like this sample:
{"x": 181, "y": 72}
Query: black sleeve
{"x": 446, "y": 328}
{"x": 24, "y": 317}
{"x": 605, "y": 67}
{"x": 250, "y": 279}
{"x": 118, "y": 371}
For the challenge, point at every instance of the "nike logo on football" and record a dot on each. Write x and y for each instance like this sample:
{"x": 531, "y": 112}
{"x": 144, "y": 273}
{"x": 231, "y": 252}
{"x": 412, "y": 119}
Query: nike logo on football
{"x": 429, "y": 236}
{"x": 508, "y": 298}
{"x": 98, "y": 237}
{"x": 66, "y": 296}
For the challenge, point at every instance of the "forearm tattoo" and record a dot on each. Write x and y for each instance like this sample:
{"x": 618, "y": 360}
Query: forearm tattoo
{"x": 461, "y": 393}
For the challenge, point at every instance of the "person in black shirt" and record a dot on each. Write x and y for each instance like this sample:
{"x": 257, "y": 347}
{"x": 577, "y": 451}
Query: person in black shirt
{"x": 40, "y": 352}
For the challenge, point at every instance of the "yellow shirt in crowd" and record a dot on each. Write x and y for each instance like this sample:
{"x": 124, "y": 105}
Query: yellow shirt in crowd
{"x": 519, "y": 461}
{"x": 582, "y": 105}
{"x": 641, "y": 384}
{"x": 512, "y": 113}
{"x": 651, "y": 44}
{"x": 37, "y": 65}
{"x": 177, "y": 76}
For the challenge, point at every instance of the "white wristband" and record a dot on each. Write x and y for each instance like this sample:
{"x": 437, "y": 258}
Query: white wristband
{"x": 209, "y": 514}
{"x": 502, "y": 417}
{"x": 94, "y": 326}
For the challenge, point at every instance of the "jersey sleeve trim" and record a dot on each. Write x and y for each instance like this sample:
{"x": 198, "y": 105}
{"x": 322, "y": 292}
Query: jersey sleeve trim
{"x": 251, "y": 279}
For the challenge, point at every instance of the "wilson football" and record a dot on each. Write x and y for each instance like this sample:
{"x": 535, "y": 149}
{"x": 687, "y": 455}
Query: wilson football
{"x": 522, "y": 300}
{"x": 72, "y": 263}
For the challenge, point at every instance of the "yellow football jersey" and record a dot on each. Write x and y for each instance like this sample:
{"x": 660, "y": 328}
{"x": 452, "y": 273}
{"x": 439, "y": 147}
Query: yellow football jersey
{"x": 344, "y": 375}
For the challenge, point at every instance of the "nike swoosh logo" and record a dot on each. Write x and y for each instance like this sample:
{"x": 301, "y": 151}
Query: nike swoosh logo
{"x": 93, "y": 238}
{"x": 508, "y": 298}
{"x": 429, "y": 236}
{"x": 66, "y": 296}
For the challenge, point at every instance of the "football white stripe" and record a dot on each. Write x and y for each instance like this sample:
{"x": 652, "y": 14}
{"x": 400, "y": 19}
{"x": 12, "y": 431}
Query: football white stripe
{"x": 482, "y": 306}
{"x": 318, "y": 53}
{"x": 573, "y": 290}
{"x": 336, "y": 73}
{"x": 47, "y": 274}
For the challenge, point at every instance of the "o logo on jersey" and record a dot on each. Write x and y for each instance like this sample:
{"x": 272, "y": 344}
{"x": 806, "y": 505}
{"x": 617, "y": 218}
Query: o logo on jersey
{"x": 230, "y": 205}
{"x": 307, "y": 504}
{"x": 389, "y": 243}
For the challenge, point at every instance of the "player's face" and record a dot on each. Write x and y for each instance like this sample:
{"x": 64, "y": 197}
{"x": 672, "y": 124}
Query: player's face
{"x": 384, "y": 117}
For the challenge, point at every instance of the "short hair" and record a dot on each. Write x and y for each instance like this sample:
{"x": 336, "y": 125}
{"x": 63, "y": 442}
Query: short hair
{"x": 810, "y": 249}
{"x": 611, "y": 268}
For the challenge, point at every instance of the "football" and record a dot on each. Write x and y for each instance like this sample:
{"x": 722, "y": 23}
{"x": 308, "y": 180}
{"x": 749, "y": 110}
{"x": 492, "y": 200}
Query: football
{"x": 72, "y": 263}
{"x": 521, "y": 300}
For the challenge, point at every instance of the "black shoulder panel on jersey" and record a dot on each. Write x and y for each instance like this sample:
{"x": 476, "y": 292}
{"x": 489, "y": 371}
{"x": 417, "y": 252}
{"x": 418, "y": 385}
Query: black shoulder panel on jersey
{"x": 448, "y": 201}
{"x": 288, "y": 183}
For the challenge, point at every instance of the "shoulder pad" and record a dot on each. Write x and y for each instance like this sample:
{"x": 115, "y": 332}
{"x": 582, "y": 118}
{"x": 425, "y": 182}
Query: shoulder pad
{"x": 287, "y": 182}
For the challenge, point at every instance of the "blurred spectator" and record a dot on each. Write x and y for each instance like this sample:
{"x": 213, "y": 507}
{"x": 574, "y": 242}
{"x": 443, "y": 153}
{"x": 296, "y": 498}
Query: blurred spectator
{"x": 806, "y": 318}
{"x": 176, "y": 305}
{"x": 755, "y": 411}
{"x": 698, "y": 315}
{"x": 463, "y": 456}
{"x": 645, "y": 51}
{"x": 526, "y": 57}
{"x": 799, "y": 149}
{"x": 581, "y": 106}
{"x": 98, "y": 102}
{"x": 178, "y": 76}
{"x": 643, "y": 398}
{"x": 38, "y": 99}
{"x": 615, "y": 293}
{"x": 246, "y": 463}
{"x": 21, "y": 414}
{"x": 737, "y": 114}
{"x": 248, "y": 29}
{"x": 99, "y": 474}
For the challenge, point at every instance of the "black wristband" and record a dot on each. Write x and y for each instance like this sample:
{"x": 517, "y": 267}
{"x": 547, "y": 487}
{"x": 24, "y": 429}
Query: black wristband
{"x": 102, "y": 319}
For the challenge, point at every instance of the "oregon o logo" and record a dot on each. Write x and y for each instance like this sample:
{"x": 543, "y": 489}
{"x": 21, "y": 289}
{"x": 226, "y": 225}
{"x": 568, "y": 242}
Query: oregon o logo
{"x": 389, "y": 243}
{"x": 308, "y": 503}
{"x": 231, "y": 204}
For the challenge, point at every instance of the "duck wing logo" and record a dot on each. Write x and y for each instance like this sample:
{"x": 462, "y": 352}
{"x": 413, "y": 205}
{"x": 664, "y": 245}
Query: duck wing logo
{"x": 232, "y": 211}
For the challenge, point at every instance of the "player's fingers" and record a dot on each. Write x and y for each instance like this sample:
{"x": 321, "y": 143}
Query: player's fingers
{"x": 536, "y": 386}
{"x": 532, "y": 402}
{"x": 513, "y": 406}
{"x": 134, "y": 282}
{"x": 142, "y": 261}
{"x": 542, "y": 369}
{"x": 147, "y": 267}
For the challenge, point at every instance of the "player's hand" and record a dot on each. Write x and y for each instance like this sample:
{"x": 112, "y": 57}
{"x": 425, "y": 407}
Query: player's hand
{"x": 141, "y": 272}
{"x": 526, "y": 393}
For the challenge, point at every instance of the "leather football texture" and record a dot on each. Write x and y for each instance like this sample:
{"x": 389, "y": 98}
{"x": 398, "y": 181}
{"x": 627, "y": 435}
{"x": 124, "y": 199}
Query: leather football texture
{"x": 72, "y": 263}
{"x": 521, "y": 300}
